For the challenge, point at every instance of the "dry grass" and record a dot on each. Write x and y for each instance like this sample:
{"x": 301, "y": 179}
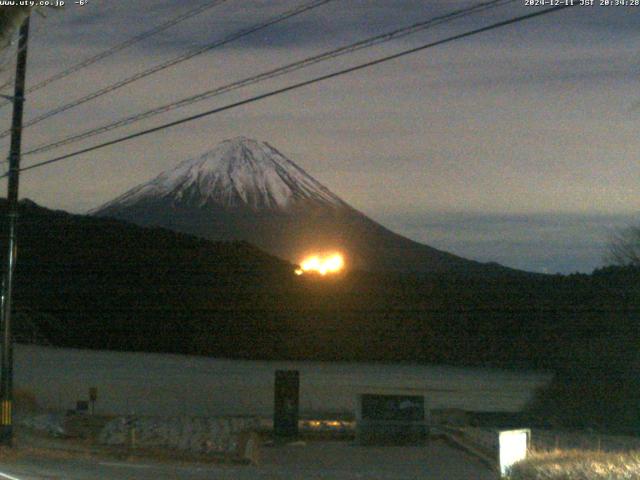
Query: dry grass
{"x": 578, "y": 465}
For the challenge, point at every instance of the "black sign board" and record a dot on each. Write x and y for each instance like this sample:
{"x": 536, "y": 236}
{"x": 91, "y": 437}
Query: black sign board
{"x": 391, "y": 420}
{"x": 286, "y": 403}
{"x": 393, "y": 407}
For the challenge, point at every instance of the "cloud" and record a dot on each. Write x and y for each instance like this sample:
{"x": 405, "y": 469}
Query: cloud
{"x": 535, "y": 117}
{"x": 549, "y": 243}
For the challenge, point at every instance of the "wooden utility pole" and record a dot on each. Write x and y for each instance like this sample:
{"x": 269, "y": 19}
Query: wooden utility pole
{"x": 6, "y": 366}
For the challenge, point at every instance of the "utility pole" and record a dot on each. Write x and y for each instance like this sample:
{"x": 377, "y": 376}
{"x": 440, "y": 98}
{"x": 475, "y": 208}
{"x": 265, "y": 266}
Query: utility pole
{"x": 6, "y": 366}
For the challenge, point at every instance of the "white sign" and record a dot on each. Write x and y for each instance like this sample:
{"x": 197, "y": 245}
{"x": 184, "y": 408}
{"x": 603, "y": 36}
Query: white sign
{"x": 513, "y": 447}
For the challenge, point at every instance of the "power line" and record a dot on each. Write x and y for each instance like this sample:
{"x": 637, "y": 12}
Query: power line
{"x": 366, "y": 43}
{"x": 6, "y": 63}
{"x": 121, "y": 46}
{"x": 8, "y": 83}
{"x": 179, "y": 59}
{"x": 296, "y": 86}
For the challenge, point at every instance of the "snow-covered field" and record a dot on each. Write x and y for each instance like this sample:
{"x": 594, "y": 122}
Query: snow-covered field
{"x": 159, "y": 384}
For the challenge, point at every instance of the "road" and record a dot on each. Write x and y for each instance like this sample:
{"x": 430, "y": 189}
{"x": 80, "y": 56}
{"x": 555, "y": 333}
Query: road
{"x": 316, "y": 460}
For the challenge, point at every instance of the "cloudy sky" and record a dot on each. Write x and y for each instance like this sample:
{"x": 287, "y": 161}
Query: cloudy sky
{"x": 518, "y": 145}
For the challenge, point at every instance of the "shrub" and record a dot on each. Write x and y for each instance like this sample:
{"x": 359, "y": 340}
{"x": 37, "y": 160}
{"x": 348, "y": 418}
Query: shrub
{"x": 577, "y": 465}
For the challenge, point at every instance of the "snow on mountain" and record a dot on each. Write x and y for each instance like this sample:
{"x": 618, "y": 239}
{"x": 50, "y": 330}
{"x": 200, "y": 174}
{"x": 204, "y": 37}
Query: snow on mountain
{"x": 238, "y": 173}
{"x": 246, "y": 190}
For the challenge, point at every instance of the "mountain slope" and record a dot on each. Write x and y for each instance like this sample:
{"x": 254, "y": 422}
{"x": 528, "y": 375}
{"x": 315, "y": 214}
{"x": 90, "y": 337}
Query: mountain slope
{"x": 101, "y": 283}
{"x": 247, "y": 190}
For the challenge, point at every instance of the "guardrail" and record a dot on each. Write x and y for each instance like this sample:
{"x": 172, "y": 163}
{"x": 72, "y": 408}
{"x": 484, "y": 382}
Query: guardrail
{"x": 481, "y": 443}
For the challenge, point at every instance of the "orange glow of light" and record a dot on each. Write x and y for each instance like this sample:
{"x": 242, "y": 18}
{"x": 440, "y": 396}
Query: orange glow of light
{"x": 322, "y": 264}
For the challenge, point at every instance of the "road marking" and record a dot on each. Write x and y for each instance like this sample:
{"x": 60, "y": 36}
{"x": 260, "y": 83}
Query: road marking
{"x": 8, "y": 477}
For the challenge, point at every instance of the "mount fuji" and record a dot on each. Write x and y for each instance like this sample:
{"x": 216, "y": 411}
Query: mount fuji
{"x": 247, "y": 190}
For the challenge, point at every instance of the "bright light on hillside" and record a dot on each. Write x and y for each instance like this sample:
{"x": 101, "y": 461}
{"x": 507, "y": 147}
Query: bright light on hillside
{"x": 322, "y": 264}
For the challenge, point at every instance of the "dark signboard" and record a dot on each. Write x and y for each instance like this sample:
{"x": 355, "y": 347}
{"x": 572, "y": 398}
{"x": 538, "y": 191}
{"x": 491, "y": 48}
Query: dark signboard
{"x": 391, "y": 419}
{"x": 392, "y": 407}
{"x": 286, "y": 403}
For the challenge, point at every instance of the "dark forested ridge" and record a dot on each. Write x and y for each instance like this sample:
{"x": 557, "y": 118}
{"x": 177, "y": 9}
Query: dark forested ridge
{"x": 99, "y": 283}
{"x": 91, "y": 282}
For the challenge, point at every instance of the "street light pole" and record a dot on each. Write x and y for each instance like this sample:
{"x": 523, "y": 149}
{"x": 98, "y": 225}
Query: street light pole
{"x": 6, "y": 366}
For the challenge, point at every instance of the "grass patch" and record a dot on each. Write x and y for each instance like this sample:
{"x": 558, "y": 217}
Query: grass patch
{"x": 577, "y": 465}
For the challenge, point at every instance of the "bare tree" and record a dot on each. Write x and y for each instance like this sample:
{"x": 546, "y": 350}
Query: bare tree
{"x": 624, "y": 248}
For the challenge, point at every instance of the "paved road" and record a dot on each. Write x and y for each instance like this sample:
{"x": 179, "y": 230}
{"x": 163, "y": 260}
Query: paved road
{"x": 314, "y": 461}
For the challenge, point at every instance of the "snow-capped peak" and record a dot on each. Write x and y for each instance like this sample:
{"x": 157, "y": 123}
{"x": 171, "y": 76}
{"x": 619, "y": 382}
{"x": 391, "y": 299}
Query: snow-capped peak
{"x": 239, "y": 172}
